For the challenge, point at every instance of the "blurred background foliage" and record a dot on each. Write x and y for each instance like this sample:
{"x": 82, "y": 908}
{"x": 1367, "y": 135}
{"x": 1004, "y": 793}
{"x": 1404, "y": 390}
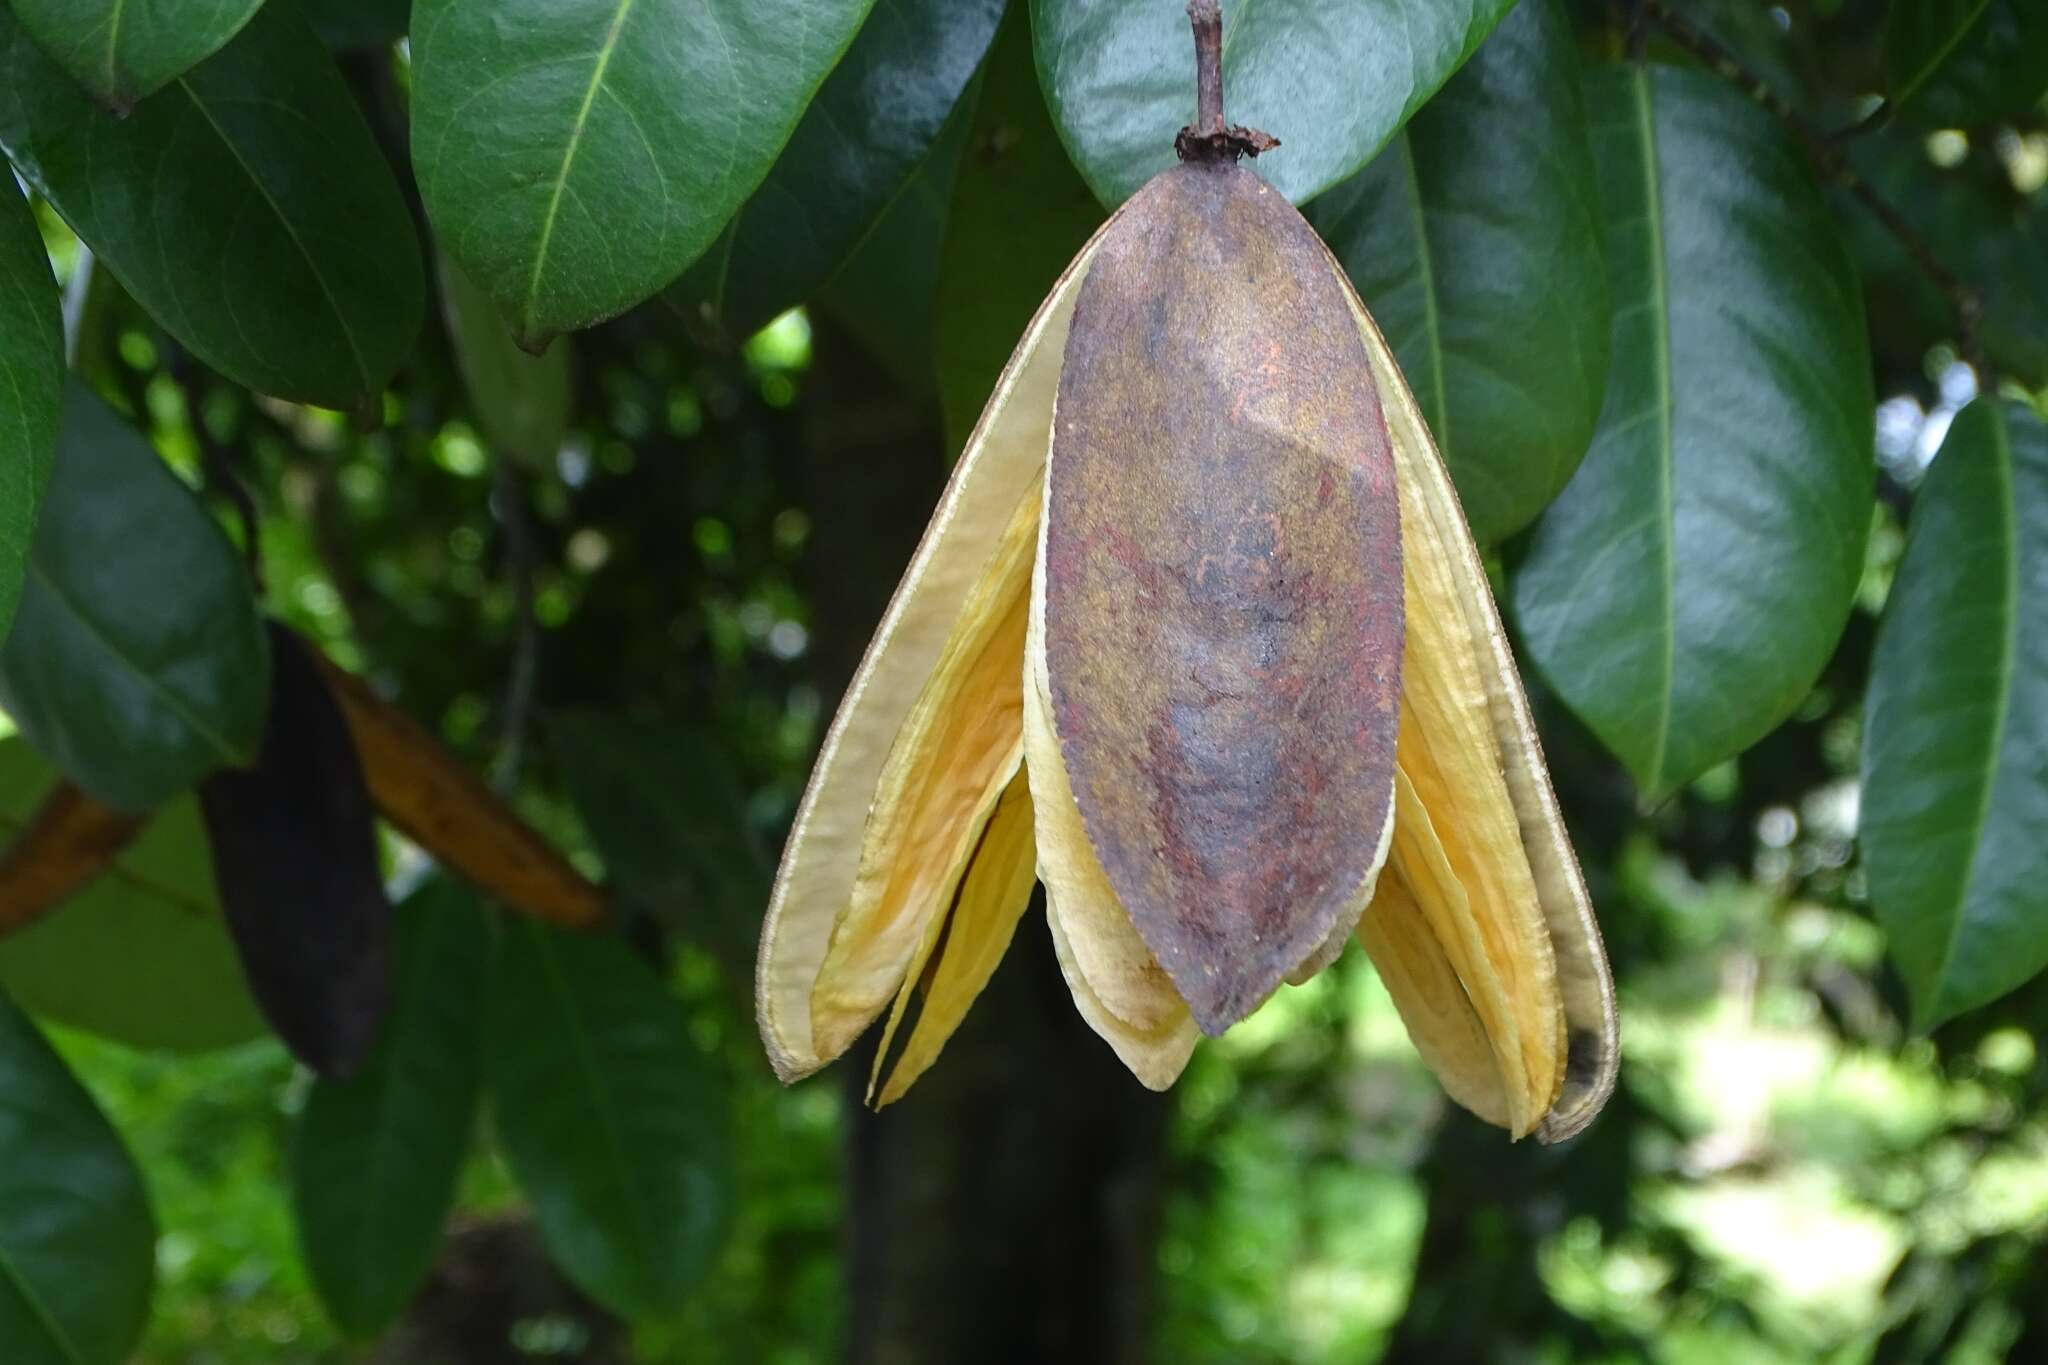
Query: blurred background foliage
{"x": 1788, "y": 1172}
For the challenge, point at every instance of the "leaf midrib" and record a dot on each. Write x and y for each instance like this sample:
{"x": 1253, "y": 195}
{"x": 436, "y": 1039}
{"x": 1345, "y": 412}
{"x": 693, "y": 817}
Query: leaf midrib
{"x": 1425, "y": 266}
{"x": 1922, "y": 74}
{"x": 2001, "y": 448}
{"x": 547, "y": 225}
{"x": 11, "y": 1273}
{"x": 1660, "y": 310}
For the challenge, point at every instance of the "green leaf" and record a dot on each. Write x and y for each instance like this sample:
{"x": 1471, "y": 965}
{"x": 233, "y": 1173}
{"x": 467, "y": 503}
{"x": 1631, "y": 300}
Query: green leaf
{"x": 78, "y": 1240}
{"x": 874, "y": 122}
{"x": 575, "y": 155}
{"x": 141, "y": 955}
{"x": 612, "y": 1121}
{"x": 884, "y": 292}
{"x": 1019, "y": 214}
{"x": 137, "y": 662}
{"x": 1955, "y": 751}
{"x": 1684, "y": 592}
{"x": 521, "y": 401}
{"x": 1475, "y": 238}
{"x": 270, "y": 238}
{"x": 351, "y": 25}
{"x": 122, "y": 51}
{"x": 31, "y": 380}
{"x": 668, "y": 817}
{"x": 375, "y": 1158}
{"x": 1331, "y": 81}
{"x": 1959, "y": 63}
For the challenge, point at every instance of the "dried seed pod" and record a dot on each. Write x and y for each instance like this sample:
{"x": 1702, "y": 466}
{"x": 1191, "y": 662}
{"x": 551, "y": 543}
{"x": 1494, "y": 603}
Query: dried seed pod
{"x": 295, "y": 858}
{"x": 1253, "y": 661}
{"x": 439, "y": 804}
{"x": 69, "y": 840}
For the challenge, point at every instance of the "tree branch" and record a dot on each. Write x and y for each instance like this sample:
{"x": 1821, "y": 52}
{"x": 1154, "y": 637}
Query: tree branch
{"x": 508, "y": 499}
{"x": 215, "y": 464}
{"x": 1829, "y": 156}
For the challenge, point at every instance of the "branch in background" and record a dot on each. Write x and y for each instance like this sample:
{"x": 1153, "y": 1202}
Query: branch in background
{"x": 215, "y": 465}
{"x": 1829, "y": 156}
{"x": 508, "y": 500}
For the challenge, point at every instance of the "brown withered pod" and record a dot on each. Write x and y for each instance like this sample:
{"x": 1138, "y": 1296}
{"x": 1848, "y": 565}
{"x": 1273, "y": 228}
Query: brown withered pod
{"x": 1199, "y": 639}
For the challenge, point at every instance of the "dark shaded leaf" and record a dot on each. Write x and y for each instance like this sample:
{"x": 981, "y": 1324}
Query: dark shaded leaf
{"x": 884, "y": 293}
{"x": 521, "y": 401}
{"x": 1332, "y": 82}
{"x": 1019, "y": 213}
{"x": 1955, "y": 754}
{"x": 348, "y": 25}
{"x": 31, "y": 381}
{"x": 272, "y": 240}
{"x": 670, "y": 820}
{"x": 78, "y": 1240}
{"x": 612, "y": 1120}
{"x": 1959, "y": 63}
{"x": 121, "y": 51}
{"x": 140, "y": 955}
{"x": 137, "y": 663}
{"x": 1475, "y": 239}
{"x": 575, "y": 155}
{"x": 1684, "y": 592}
{"x": 875, "y": 120}
{"x": 375, "y": 1157}
{"x": 295, "y": 857}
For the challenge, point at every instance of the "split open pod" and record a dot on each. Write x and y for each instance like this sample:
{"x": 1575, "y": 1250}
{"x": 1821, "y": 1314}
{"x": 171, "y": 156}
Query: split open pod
{"x": 1197, "y": 638}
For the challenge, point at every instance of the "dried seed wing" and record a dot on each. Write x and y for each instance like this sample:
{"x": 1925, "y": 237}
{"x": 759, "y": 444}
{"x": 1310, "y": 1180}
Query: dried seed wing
{"x": 68, "y": 841}
{"x": 1431, "y": 1001}
{"x": 1122, "y": 974}
{"x": 1347, "y": 922}
{"x": 295, "y": 857}
{"x": 434, "y": 800}
{"x": 1003, "y": 460}
{"x": 1155, "y": 1056}
{"x": 956, "y": 752}
{"x": 1223, "y": 585}
{"x": 993, "y": 898}
{"x": 1434, "y": 526}
{"x": 1489, "y": 964}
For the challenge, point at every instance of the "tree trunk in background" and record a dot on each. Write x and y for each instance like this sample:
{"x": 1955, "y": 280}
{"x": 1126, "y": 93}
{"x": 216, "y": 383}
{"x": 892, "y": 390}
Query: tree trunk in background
{"x": 1009, "y": 1208}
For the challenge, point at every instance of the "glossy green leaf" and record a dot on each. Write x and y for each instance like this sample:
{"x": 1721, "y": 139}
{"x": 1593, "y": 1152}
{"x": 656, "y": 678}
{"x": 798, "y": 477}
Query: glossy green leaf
{"x": 612, "y": 1120}
{"x": 348, "y": 25}
{"x": 137, "y": 663}
{"x": 77, "y": 1238}
{"x": 521, "y": 401}
{"x": 1958, "y": 63}
{"x": 1955, "y": 750}
{"x": 1332, "y": 81}
{"x": 31, "y": 380}
{"x": 1019, "y": 213}
{"x": 271, "y": 241}
{"x": 141, "y": 955}
{"x": 575, "y": 155}
{"x": 873, "y": 123}
{"x": 375, "y": 1158}
{"x": 884, "y": 292}
{"x": 1475, "y": 239}
{"x": 122, "y": 51}
{"x": 1684, "y": 592}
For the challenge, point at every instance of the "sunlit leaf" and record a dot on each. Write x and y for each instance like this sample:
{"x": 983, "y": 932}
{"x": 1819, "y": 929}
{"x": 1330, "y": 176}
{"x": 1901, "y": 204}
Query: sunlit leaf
{"x": 1955, "y": 757}
{"x": 1684, "y": 592}
{"x": 1332, "y": 82}
{"x": 575, "y": 155}
{"x": 1475, "y": 238}
{"x": 270, "y": 239}
{"x": 137, "y": 663}
{"x": 140, "y": 955}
